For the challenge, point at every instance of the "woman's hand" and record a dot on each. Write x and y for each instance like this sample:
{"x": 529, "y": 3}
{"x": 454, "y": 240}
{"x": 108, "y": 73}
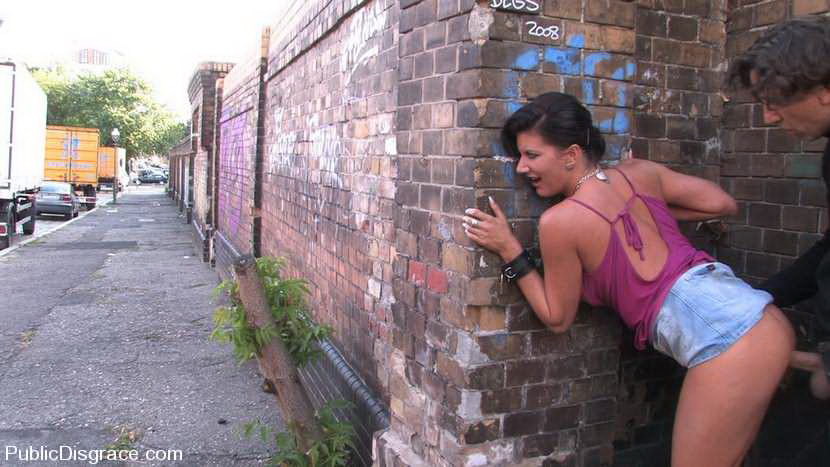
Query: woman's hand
{"x": 492, "y": 232}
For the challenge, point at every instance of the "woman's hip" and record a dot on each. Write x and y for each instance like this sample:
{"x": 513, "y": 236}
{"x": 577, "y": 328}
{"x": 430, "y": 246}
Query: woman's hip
{"x": 707, "y": 310}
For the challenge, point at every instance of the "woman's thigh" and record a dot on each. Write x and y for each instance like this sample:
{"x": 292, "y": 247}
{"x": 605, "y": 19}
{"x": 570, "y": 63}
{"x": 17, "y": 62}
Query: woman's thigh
{"x": 723, "y": 400}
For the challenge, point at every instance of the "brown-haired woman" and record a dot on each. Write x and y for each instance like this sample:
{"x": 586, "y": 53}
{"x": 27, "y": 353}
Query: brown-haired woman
{"x": 615, "y": 242}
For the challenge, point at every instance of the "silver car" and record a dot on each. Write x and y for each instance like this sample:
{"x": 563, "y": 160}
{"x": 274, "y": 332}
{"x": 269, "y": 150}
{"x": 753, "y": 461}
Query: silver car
{"x": 57, "y": 198}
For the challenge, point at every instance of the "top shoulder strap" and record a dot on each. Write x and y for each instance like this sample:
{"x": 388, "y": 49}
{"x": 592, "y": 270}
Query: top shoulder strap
{"x": 590, "y": 208}
{"x": 631, "y": 185}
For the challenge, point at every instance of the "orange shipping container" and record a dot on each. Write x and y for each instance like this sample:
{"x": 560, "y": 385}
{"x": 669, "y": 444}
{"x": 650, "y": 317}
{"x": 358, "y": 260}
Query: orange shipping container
{"x": 71, "y": 155}
{"x": 108, "y": 158}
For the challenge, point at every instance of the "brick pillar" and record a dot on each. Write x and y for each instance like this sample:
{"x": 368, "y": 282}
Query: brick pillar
{"x": 475, "y": 378}
{"x": 202, "y": 92}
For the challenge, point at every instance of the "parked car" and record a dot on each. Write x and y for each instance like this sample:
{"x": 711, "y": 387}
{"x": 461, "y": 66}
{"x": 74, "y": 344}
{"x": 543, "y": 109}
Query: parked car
{"x": 57, "y": 198}
{"x": 151, "y": 176}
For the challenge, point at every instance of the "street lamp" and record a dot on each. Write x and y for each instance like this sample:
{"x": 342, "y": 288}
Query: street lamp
{"x": 115, "y": 135}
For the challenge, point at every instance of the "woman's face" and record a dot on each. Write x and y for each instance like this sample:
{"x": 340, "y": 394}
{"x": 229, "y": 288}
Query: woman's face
{"x": 543, "y": 164}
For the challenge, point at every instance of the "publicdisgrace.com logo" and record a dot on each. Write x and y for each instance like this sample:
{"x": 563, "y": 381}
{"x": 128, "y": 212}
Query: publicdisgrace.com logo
{"x": 92, "y": 456}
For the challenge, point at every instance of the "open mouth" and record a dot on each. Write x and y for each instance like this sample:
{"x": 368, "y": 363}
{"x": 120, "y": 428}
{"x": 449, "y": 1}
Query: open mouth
{"x": 533, "y": 180}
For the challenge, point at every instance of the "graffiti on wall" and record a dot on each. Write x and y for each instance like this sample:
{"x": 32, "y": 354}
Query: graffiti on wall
{"x": 357, "y": 46}
{"x": 232, "y": 183}
{"x": 281, "y": 151}
{"x": 327, "y": 147}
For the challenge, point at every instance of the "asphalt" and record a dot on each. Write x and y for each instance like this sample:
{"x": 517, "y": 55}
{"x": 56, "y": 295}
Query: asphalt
{"x": 104, "y": 327}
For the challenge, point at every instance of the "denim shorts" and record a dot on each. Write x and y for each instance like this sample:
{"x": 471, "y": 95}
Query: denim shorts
{"x": 707, "y": 310}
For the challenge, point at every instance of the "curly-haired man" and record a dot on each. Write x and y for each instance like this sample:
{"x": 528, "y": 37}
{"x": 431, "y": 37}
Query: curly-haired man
{"x": 788, "y": 71}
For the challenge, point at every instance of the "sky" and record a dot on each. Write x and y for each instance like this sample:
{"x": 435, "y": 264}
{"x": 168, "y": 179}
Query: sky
{"x": 162, "y": 41}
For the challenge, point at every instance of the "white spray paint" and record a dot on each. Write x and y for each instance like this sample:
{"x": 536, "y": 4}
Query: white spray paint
{"x": 327, "y": 147}
{"x": 281, "y": 151}
{"x": 470, "y": 406}
{"x": 356, "y": 49}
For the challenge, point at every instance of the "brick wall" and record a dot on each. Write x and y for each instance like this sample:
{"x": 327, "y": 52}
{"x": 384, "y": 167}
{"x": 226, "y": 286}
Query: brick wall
{"x": 328, "y": 186}
{"x": 379, "y": 125}
{"x": 776, "y": 179}
{"x": 237, "y": 154}
{"x": 477, "y": 380}
{"x": 178, "y": 157}
{"x": 202, "y": 93}
{"x": 677, "y": 108}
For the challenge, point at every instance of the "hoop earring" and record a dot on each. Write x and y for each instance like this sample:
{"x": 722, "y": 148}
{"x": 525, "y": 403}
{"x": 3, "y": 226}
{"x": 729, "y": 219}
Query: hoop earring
{"x": 570, "y": 166}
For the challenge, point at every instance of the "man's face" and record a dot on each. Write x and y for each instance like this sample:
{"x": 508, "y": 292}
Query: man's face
{"x": 806, "y": 115}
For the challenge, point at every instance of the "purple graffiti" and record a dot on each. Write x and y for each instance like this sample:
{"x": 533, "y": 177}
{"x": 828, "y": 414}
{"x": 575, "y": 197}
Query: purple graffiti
{"x": 233, "y": 182}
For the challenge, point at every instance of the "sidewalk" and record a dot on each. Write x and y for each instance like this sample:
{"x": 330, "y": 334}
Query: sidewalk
{"x": 104, "y": 324}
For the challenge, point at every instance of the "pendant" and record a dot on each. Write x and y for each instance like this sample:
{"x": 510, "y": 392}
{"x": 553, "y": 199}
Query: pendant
{"x": 601, "y": 176}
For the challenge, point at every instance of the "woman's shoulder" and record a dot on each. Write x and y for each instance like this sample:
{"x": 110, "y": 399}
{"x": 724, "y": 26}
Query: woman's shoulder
{"x": 645, "y": 175}
{"x": 562, "y": 217}
{"x": 638, "y": 167}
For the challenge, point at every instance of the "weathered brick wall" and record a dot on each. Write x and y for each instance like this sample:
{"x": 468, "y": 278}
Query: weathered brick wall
{"x": 381, "y": 123}
{"x": 328, "y": 192}
{"x": 677, "y": 109}
{"x": 477, "y": 380}
{"x": 202, "y": 92}
{"x": 237, "y": 152}
{"x": 775, "y": 176}
{"x": 178, "y": 157}
{"x": 776, "y": 179}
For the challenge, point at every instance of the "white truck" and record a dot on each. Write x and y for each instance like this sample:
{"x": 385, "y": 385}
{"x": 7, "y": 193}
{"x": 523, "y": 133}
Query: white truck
{"x": 22, "y": 146}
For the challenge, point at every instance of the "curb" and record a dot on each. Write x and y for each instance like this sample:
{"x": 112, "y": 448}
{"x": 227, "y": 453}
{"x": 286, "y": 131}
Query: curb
{"x": 55, "y": 228}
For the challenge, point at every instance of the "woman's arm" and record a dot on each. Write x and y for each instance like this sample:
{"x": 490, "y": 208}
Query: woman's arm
{"x": 683, "y": 214}
{"x": 692, "y": 198}
{"x": 555, "y": 297}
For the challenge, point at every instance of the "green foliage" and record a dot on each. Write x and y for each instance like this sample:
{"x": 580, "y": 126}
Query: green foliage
{"x": 116, "y": 98}
{"x": 331, "y": 451}
{"x": 287, "y": 299}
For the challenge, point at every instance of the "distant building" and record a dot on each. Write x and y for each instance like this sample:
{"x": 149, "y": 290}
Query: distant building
{"x": 97, "y": 60}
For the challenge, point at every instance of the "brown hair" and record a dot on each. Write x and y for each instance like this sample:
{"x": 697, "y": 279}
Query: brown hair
{"x": 790, "y": 59}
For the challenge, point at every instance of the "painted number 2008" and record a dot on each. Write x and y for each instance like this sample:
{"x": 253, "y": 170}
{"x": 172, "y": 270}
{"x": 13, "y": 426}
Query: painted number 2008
{"x": 535, "y": 30}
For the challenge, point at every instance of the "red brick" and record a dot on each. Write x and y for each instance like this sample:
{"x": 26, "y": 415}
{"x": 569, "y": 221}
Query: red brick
{"x": 563, "y": 9}
{"x": 809, "y": 7}
{"x": 770, "y": 13}
{"x": 437, "y": 281}
{"x": 417, "y": 272}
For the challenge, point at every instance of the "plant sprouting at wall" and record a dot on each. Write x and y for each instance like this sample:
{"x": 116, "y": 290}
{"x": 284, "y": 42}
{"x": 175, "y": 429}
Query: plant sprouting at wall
{"x": 287, "y": 302}
{"x": 231, "y": 326}
{"x": 331, "y": 451}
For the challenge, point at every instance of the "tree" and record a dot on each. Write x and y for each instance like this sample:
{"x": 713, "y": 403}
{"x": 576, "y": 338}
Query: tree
{"x": 116, "y": 98}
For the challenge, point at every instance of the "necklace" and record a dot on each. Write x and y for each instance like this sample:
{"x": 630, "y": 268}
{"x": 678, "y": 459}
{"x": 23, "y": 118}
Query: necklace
{"x": 597, "y": 172}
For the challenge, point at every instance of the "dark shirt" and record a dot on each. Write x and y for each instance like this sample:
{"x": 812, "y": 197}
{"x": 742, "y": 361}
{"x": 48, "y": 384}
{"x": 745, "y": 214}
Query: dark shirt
{"x": 809, "y": 275}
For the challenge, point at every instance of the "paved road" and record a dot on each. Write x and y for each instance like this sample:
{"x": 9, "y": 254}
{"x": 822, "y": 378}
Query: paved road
{"x": 104, "y": 325}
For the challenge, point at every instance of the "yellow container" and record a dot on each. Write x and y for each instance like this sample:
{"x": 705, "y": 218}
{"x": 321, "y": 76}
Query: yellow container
{"x": 106, "y": 163}
{"x": 71, "y": 155}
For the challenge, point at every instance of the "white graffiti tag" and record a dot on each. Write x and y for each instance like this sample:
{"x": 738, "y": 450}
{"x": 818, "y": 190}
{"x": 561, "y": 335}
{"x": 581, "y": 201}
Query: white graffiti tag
{"x": 282, "y": 149}
{"x": 356, "y": 46}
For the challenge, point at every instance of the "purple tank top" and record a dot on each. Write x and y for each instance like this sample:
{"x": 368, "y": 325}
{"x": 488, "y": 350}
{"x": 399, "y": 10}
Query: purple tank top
{"x": 617, "y": 284}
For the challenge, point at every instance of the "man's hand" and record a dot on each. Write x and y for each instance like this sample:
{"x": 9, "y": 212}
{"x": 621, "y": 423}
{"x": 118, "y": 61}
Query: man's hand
{"x": 492, "y": 232}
